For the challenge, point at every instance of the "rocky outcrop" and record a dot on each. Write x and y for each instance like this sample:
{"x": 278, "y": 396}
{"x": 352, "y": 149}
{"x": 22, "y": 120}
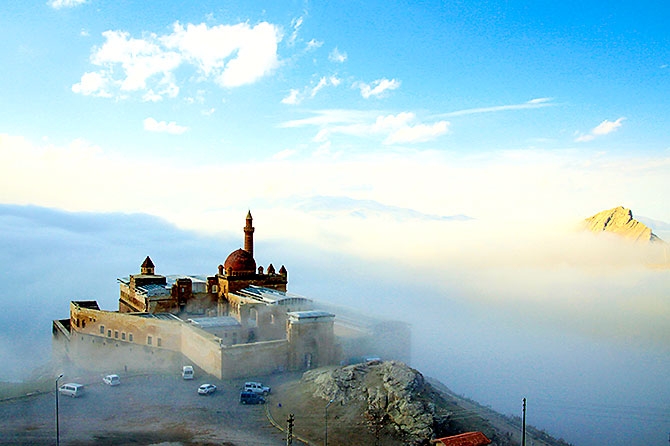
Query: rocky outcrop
{"x": 620, "y": 221}
{"x": 393, "y": 397}
{"x": 389, "y": 403}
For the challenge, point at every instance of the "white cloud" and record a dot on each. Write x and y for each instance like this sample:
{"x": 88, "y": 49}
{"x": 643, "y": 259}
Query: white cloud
{"x": 230, "y": 55}
{"x": 322, "y": 83}
{"x": 604, "y": 128}
{"x": 295, "y": 24}
{"x": 328, "y": 117}
{"x": 94, "y": 84}
{"x": 377, "y": 88}
{"x": 325, "y": 82}
{"x": 394, "y": 129}
{"x": 139, "y": 60}
{"x": 235, "y": 55}
{"x": 150, "y": 96}
{"x": 314, "y": 44}
{"x": 296, "y": 96}
{"x": 337, "y": 56}
{"x": 293, "y": 97}
{"x": 584, "y": 138}
{"x": 533, "y": 103}
{"x": 151, "y": 125}
{"x": 417, "y": 133}
{"x": 58, "y": 4}
{"x": 400, "y": 129}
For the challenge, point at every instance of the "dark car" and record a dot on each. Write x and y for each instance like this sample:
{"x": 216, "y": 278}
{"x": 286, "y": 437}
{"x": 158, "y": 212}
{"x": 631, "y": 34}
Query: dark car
{"x": 251, "y": 398}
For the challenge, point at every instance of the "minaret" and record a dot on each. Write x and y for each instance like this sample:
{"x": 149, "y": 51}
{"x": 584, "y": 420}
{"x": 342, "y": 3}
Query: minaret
{"x": 249, "y": 235}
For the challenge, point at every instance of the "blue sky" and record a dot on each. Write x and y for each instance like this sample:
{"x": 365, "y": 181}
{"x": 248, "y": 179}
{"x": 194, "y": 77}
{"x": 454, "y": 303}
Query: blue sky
{"x": 505, "y": 112}
{"x": 509, "y": 106}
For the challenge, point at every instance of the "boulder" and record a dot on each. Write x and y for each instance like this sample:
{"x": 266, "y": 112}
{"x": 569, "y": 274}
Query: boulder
{"x": 393, "y": 395}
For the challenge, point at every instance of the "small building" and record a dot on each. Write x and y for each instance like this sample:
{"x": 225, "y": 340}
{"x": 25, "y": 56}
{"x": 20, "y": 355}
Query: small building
{"x": 465, "y": 439}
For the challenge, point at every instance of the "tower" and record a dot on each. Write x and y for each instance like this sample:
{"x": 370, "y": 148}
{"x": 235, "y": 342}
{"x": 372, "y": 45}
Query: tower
{"x": 147, "y": 267}
{"x": 249, "y": 235}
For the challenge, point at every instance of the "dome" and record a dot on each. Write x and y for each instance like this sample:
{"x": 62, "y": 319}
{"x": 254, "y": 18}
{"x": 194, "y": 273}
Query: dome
{"x": 240, "y": 261}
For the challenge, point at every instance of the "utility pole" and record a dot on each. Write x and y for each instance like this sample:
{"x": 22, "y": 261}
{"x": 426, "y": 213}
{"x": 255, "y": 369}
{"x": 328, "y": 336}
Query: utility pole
{"x": 325, "y": 418}
{"x": 523, "y": 425}
{"x": 289, "y": 430}
{"x": 57, "y": 421}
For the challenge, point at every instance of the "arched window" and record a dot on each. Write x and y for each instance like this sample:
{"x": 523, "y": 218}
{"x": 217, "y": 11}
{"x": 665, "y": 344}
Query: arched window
{"x": 253, "y": 318}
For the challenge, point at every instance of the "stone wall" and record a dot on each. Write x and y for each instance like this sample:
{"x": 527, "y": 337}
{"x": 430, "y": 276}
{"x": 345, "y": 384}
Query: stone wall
{"x": 202, "y": 348}
{"x": 260, "y": 358}
{"x": 110, "y": 341}
{"x": 123, "y": 327}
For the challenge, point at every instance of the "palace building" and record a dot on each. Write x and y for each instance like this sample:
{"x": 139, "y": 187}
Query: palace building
{"x": 237, "y": 322}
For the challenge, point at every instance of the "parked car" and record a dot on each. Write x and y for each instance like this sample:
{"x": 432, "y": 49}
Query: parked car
{"x": 187, "y": 372}
{"x": 71, "y": 389}
{"x": 112, "y": 380}
{"x": 256, "y": 387}
{"x": 251, "y": 398}
{"x": 206, "y": 389}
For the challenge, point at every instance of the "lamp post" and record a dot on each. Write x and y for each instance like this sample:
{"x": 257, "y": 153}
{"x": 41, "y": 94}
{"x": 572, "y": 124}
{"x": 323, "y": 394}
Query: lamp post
{"x": 57, "y": 426}
{"x": 523, "y": 427}
{"x": 325, "y": 437}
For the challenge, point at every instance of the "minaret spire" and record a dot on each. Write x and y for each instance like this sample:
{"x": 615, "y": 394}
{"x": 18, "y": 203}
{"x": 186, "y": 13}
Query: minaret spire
{"x": 249, "y": 235}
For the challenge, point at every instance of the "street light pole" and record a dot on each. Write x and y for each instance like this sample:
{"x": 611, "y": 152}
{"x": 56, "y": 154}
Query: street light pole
{"x": 325, "y": 437}
{"x": 523, "y": 427}
{"x": 57, "y": 424}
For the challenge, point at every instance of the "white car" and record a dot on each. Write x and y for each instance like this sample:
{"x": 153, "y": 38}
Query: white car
{"x": 187, "y": 372}
{"x": 112, "y": 380}
{"x": 71, "y": 389}
{"x": 206, "y": 389}
{"x": 256, "y": 387}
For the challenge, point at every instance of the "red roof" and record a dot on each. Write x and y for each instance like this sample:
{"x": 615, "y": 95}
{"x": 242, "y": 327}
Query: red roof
{"x": 466, "y": 439}
{"x": 240, "y": 261}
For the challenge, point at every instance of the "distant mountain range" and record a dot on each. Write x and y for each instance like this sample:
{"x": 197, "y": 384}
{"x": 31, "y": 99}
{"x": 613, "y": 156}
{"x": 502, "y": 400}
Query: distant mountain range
{"x": 369, "y": 208}
{"x": 620, "y": 221}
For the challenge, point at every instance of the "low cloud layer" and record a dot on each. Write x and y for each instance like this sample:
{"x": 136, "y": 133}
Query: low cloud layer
{"x": 487, "y": 304}
{"x": 535, "y": 188}
{"x": 597, "y": 287}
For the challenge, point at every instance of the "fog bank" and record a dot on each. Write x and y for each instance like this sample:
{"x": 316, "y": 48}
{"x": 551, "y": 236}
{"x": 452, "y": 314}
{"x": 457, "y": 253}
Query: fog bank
{"x": 575, "y": 323}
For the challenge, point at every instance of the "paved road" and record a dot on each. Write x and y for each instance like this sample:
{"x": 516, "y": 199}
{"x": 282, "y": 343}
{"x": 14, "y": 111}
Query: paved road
{"x": 143, "y": 410}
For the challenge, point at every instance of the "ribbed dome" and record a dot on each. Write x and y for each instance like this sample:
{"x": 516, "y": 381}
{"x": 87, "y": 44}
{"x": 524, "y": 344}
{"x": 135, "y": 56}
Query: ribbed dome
{"x": 240, "y": 261}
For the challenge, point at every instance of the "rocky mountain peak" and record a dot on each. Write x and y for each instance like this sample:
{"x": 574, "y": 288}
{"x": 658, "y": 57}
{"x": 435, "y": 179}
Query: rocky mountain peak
{"x": 620, "y": 221}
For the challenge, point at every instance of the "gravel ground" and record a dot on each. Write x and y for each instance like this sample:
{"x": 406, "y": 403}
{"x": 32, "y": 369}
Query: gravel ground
{"x": 143, "y": 410}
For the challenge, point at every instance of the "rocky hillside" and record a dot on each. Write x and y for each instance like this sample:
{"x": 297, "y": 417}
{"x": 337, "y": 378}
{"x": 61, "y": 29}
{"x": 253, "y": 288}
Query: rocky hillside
{"x": 386, "y": 403}
{"x": 620, "y": 221}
